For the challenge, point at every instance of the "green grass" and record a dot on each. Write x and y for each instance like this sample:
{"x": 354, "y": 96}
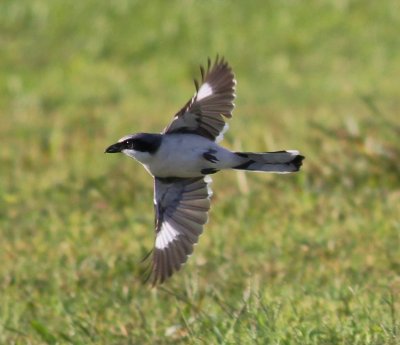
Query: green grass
{"x": 311, "y": 258}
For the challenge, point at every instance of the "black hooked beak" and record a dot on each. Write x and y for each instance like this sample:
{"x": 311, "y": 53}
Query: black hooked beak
{"x": 115, "y": 148}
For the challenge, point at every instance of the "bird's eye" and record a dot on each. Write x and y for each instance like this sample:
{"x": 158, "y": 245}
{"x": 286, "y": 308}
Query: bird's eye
{"x": 128, "y": 143}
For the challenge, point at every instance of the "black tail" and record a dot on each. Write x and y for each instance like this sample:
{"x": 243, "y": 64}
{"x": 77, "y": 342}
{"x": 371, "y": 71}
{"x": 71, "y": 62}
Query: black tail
{"x": 278, "y": 162}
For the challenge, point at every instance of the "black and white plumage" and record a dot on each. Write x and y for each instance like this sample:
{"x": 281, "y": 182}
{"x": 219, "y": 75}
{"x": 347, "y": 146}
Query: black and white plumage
{"x": 204, "y": 113}
{"x": 180, "y": 160}
{"x": 181, "y": 206}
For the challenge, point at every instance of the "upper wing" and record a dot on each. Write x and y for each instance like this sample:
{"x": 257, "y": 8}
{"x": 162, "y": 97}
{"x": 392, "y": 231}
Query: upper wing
{"x": 181, "y": 207}
{"x": 203, "y": 114}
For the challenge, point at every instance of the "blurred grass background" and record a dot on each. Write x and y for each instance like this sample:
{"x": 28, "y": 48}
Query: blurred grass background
{"x": 311, "y": 258}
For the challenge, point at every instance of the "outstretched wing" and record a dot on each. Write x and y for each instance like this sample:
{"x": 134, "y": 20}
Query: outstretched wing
{"x": 181, "y": 207}
{"x": 204, "y": 113}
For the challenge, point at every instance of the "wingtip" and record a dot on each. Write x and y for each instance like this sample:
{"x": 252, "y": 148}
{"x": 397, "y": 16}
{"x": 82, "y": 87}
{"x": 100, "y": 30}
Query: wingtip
{"x": 219, "y": 61}
{"x": 196, "y": 84}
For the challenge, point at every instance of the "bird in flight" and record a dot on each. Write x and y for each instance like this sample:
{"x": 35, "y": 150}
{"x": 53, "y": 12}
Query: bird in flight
{"x": 182, "y": 157}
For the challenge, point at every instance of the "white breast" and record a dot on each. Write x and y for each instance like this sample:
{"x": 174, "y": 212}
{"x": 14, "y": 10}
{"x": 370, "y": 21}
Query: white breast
{"x": 181, "y": 155}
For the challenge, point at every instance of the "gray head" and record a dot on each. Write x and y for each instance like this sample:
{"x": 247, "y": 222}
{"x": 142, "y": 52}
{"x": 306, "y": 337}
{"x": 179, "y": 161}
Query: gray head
{"x": 138, "y": 146}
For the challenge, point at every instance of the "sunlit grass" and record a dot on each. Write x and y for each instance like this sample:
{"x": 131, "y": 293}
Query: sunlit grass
{"x": 311, "y": 258}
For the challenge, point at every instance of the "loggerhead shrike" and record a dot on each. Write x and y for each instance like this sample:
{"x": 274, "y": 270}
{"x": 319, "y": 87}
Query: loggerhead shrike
{"x": 180, "y": 160}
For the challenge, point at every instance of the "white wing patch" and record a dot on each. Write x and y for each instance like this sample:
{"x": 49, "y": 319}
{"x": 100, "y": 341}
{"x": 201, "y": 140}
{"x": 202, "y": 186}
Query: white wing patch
{"x": 213, "y": 101}
{"x": 204, "y": 91}
{"x": 166, "y": 235}
{"x": 181, "y": 211}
